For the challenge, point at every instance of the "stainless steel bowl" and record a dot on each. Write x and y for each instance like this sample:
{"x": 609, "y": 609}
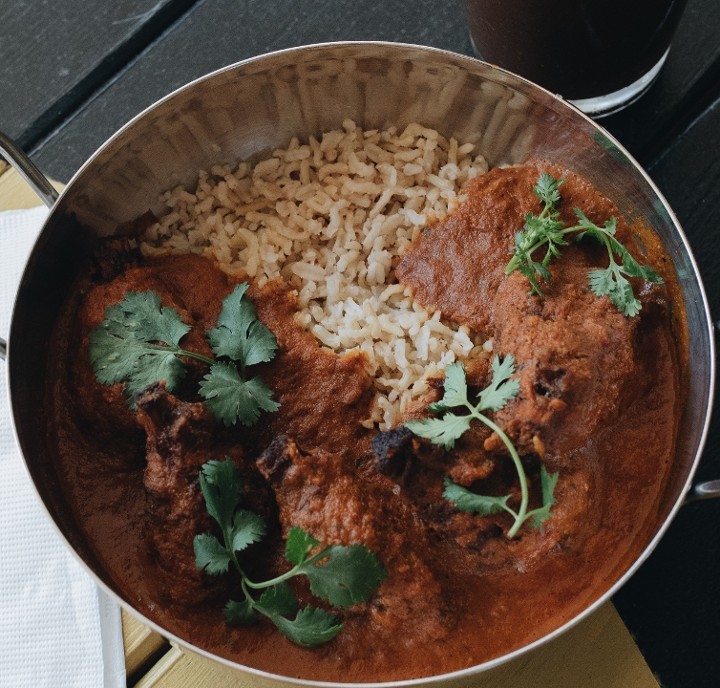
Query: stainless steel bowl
{"x": 245, "y": 111}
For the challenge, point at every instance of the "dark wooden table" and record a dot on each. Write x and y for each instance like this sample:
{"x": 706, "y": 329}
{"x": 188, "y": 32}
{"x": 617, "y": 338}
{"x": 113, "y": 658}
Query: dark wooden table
{"x": 73, "y": 72}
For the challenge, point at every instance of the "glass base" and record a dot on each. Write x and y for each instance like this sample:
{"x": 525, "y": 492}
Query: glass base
{"x": 602, "y": 106}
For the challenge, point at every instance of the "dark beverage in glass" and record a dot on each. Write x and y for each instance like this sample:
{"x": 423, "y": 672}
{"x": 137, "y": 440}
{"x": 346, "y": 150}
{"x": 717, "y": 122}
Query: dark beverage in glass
{"x": 600, "y": 54}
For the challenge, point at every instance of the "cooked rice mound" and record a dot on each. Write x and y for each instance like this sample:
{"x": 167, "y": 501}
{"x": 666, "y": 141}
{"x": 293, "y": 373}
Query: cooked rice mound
{"x": 329, "y": 217}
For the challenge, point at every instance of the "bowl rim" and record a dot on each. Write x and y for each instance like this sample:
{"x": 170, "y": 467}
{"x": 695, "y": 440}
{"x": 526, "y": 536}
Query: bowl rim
{"x": 467, "y": 672}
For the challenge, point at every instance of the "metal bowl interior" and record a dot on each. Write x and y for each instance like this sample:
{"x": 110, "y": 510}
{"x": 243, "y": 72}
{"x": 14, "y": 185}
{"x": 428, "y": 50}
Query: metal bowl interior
{"x": 247, "y": 110}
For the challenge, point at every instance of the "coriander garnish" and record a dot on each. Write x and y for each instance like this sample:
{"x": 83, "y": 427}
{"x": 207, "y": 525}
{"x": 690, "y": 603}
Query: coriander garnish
{"x": 138, "y": 343}
{"x": 342, "y": 576}
{"x": 548, "y": 231}
{"x": 446, "y": 429}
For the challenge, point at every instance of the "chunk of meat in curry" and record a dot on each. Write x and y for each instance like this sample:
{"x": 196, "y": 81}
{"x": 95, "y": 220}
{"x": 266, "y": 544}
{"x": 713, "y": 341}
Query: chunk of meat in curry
{"x": 576, "y": 354}
{"x": 326, "y": 495}
{"x": 179, "y": 442}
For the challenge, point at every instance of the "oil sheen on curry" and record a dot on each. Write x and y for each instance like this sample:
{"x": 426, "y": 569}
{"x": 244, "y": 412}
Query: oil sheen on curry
{"x": 589, "y": 404}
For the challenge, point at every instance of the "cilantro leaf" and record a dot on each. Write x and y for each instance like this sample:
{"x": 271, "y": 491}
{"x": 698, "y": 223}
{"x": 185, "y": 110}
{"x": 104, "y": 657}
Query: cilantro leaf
{"x": 239, "y": 613}
{"x": 239, "y": 335}
{"x": 345, "y": 576}
{"x": 222, "y": 490}
{"x": 298, "y": 546}
{"x": 142, "y": 315}
{"x": 279, "y": 599}
{"x": 501, "y": 389}
{"x": 455, "y": 387}
{"x": 610, "y": 282}
{"x": 137, "y": 343}
{"x": 547, "y": 230}
{"x": 466, "y": 500}
{"x": 444, "y": 431}
{"x": 548, "y": 481}
{"x": 341, "y": 575}
{"x": 547, "y": 189}
{"x": 247, "y": 528}
{"x": 311, "y": 627}
{"x": 230, "y": 398}
{"x": 210, "y": 555}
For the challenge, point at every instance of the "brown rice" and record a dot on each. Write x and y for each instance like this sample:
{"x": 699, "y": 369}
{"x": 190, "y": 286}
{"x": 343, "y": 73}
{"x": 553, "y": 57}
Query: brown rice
{"x": 329, "y": 216}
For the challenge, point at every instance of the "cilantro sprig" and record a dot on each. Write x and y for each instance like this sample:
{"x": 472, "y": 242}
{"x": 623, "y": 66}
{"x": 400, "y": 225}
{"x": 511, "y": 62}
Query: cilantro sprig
{"x": 138, "y": 343}
{"x": 340, "y": 575}
{"x": 547, "y": 231}
{"x": 446, "y": 429}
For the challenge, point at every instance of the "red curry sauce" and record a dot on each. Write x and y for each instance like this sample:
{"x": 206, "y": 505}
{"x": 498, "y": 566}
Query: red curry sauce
{"x": 458, "y": 592}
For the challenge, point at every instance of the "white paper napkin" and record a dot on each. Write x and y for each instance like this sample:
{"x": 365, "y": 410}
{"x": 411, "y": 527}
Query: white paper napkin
{"x": 57, "y": 627}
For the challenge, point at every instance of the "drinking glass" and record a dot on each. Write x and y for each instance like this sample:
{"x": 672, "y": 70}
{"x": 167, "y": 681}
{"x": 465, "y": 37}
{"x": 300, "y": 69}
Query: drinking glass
{"x": 599, "y": 54}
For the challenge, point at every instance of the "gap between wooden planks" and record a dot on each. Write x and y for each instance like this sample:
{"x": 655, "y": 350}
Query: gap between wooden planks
{"x": 597, "y": 653}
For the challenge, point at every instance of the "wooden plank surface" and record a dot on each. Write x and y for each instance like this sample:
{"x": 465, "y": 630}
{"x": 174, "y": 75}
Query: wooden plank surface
{"x": 54, "y": 55}
{"x": 142, "y": 646}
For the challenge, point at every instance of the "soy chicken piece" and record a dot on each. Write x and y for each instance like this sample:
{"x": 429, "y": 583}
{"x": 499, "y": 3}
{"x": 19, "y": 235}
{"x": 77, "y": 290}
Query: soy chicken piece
{"x": 179, "y": 441}
{"x": 324, "y": 495}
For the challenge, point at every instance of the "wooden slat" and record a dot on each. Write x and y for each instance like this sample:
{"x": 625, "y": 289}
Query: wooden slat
{"x": 15, "y": 193}
{"x": 598, "y": 653}
{"x": 141, "y": 644}
{"x": 56, "y": 54}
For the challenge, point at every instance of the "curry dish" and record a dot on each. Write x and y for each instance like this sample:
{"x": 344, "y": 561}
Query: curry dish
{"x": 597, "y": 405}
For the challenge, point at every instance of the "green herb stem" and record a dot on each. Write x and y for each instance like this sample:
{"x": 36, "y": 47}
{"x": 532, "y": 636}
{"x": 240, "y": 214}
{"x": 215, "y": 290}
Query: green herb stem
{"x": 179, "y": 351}
{"x": 294, "y": 571}
{"x": 608, "y": 245}
{"x": 514, "y": 262}
{"x": 248, "y": 595}
{"x": 198, "y": 357}
{"x": 273, "y": 581}
{"x": 521, "y": 515}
